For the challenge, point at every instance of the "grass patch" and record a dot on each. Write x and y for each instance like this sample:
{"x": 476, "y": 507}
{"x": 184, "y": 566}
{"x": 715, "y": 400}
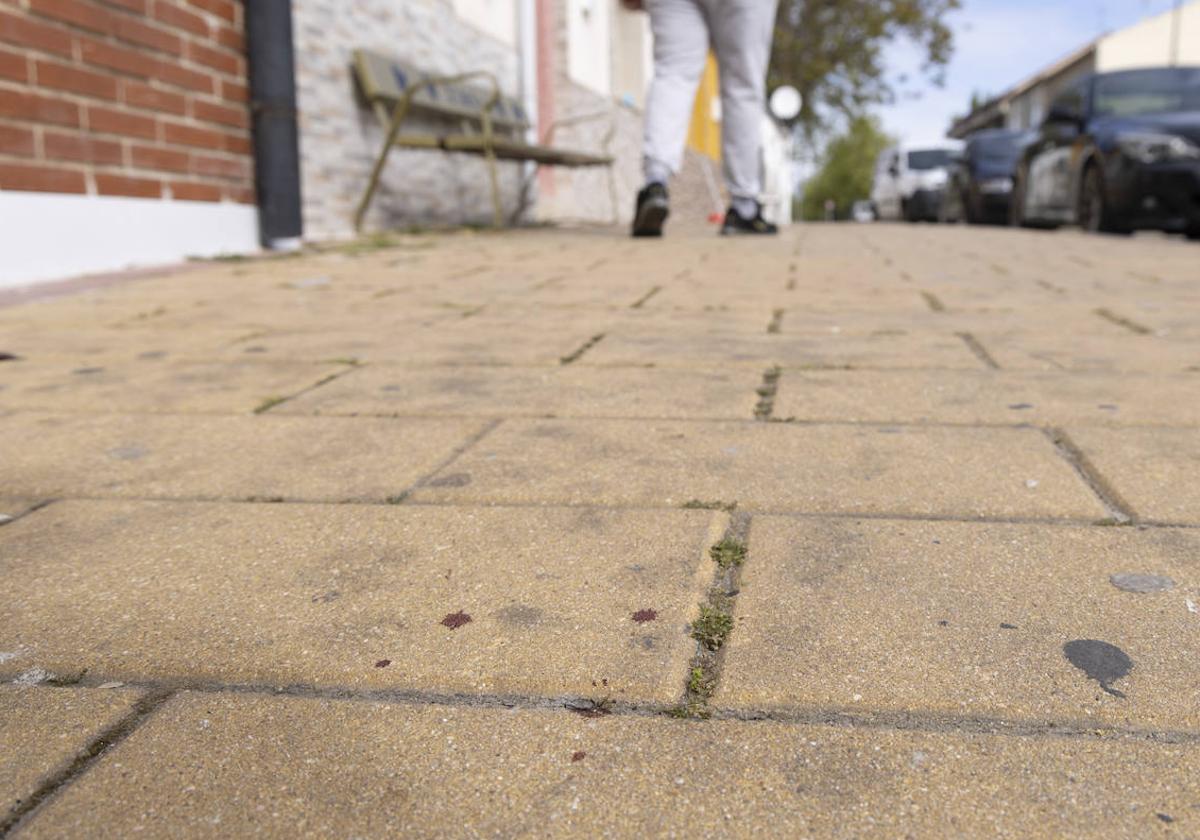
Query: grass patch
{"x": 712, "y": 628}
{"x": 728, "y": 553}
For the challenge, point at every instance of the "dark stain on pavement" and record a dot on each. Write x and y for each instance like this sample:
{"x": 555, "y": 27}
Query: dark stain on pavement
{"x": 84, "y": 371}
{"x": 456, "y": 620}
{"x": 520, "y": 615}
{"x": 9, "y": 357}
{"x": 1004, "y": 626}
{"x": 383, "y": 663}
{"x": 326, "y": 597}
{"x": 578, "y": 756}
{"x": 642, "y": 616}
{"x": 452, "y": 480}
{"x": 1101, "y": 661}
{"x": 1021, "y": 406}
{"x": 1167, "y": 818}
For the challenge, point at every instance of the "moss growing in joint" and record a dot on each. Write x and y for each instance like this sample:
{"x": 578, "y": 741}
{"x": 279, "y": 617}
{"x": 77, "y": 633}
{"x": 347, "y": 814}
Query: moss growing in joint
{"x": 268, "y": 404}
{"x": 728, "y": 553}
{"x": 712, "y": 628}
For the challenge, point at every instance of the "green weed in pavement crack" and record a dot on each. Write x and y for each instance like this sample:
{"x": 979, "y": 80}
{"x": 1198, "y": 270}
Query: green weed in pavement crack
{"x": 712, "y": 628}
{"x": 766, "y": 393}
{"x": 728, "y": 553}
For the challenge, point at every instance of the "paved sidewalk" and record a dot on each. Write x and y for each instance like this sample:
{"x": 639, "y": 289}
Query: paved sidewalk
{"x": 866, "y": 531}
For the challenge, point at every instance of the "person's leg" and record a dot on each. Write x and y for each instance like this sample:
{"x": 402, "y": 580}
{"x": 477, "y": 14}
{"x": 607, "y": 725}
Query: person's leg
{"x": 681, "y": 42}
{"x": 741, "y": 32}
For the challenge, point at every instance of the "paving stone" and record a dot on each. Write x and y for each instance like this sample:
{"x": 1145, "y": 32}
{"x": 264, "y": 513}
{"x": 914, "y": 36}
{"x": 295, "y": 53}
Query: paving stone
{"x": 885, "y": 349}
{"x": 566, "y": 391}
{"x": 1153, "y": 470}
{"x": 1072, "y": 350}
{"x": 986, "y": 397}
{"x": 228, "y": 765}
{"x": 963, "y": 619}
{"x": 43, "y": 729}
{"x": 352, "y": 595}
{"x": 153, "y": 384}
{"x": 912, "y": 470}
{"x": 239, "y": 457}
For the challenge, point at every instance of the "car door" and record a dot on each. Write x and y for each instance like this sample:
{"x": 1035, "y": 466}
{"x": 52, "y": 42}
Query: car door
{"x": 1051, "y": 172}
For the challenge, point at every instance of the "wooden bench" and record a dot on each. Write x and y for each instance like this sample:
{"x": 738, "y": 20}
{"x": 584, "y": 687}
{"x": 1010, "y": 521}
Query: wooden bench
{"x": 491, "y": 125}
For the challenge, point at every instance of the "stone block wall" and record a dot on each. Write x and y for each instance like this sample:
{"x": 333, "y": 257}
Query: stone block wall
{"x": 340, "y": 138}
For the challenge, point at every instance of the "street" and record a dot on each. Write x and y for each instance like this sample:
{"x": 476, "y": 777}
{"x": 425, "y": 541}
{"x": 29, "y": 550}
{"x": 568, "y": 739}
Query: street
{"x": 861, "y": 531}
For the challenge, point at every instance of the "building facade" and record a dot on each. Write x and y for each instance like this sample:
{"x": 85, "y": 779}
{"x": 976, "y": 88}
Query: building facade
{"x": 126, "y": 126}
{"x": 1164, "y": 40}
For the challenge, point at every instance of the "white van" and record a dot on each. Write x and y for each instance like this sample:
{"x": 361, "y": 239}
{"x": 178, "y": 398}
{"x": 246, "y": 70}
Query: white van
{"x": 909, "y": 183}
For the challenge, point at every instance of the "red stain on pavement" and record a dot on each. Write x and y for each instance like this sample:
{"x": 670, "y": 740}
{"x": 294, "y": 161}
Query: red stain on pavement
{"x": 456, "y": 620}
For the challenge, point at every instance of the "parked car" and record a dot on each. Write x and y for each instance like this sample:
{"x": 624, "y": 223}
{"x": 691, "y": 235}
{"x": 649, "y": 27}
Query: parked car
{"x": 1118, "y": 152}
{"x": 862, "y": 211}
{"x": 981, "y": 177}
{"x": 909, "y": 183}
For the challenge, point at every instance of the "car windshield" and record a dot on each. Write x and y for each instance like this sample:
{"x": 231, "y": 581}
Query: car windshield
{"x": 928, "y": 159}
{"x": 998, "y": 148}
{"x": 1139, "y": 92}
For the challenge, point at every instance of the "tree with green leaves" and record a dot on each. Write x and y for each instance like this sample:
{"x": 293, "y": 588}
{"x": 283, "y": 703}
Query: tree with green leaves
{"x": 832, "y": 51}
{"x": 847, "y": 167}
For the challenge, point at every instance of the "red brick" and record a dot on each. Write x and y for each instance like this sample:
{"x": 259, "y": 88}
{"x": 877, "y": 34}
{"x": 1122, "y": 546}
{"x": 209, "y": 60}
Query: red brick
{"x": 16, "y": 141}
{"x": 187, "y": 191}
{"x": 124, "y": 185}
{"x": 237, "y": 144}
{"x": 220, "y": 8}
{"x": 23, "y": 31}
{"x": 187, "y": 135}
{"x": 218, "y": 167}
{"x": 153, "y": 99}
{"x": 214, "y": 58}
{"x": 81, "y": 14}
{"x": 76, "y": 80}
{"x": 35, "y": 108}
{"x": 156, "y": 157}
{"x": 173, "y": 15}
{"x": 223, "y": 114}
{"x": 121, "y": 59}
{"x": 82, "y": 148}
{"x": 242, "y": 195}
{"x": 232, "y": 39}
{"x": 234, "y": 91}
{"x": 14, "y": 66}
{"x": 172, "y": 73}
{"x": 111, "y": 121}
{"x": 136, "y": 32}
{"x": 15, "y": 176}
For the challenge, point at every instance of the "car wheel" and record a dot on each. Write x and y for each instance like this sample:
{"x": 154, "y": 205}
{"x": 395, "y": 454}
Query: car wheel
{"x": 1093, "y": 211}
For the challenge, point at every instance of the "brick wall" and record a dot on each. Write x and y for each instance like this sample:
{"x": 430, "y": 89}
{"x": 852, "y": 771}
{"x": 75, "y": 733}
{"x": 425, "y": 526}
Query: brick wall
{"x": 143, "y": 98}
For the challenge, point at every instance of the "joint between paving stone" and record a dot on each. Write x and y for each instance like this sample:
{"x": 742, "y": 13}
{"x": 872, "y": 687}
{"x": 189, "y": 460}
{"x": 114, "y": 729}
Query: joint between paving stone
{"x": 578, "y": 353}
{"x": 276, "y": 401}
{"x": 1121, "y": 321}
{"x": 63, "y": 777}
{"x": 1120, "y": 512}
{"x": 981, "y": 352}
{"x": 775, "y": 326}
{"x": 933, "y": 302}
{"x": 715, "y": 621}
{"x": 766, "y": 393}
{"x": 644, "y": 299}
{"x": 446, "y": 462}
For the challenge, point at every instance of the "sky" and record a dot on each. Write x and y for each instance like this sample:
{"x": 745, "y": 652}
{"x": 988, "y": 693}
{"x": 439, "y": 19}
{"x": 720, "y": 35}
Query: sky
{"x": 998, "y": 43}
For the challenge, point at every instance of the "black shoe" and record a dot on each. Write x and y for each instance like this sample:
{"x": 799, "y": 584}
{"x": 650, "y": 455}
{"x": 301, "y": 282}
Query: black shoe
{"x": 651, "y": 211}
{"x": 736, "y": 224}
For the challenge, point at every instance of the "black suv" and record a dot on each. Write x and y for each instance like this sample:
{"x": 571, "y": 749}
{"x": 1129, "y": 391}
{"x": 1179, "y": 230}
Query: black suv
{"x": 1117, "y": 152}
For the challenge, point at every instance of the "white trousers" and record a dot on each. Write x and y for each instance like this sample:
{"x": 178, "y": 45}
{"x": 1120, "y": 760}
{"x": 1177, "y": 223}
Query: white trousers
{"x": 739, "y": 32}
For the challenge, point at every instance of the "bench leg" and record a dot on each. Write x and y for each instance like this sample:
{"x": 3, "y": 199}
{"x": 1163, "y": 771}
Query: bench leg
{"x": 377, "y": 172}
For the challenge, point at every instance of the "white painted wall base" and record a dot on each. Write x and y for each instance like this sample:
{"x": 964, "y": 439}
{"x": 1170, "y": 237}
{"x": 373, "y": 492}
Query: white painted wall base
{"x": 45, "y": 236}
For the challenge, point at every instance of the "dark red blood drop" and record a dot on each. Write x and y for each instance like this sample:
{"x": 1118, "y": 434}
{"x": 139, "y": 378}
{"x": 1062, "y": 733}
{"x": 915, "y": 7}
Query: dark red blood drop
{"x": 383, "y": 663}
{"x": 642, "y": 616}
{"x": 579, "y": 756}
{"x": 456, "y": 620}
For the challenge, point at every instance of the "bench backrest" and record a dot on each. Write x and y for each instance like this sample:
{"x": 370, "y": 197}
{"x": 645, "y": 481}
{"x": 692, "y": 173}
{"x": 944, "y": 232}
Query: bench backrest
{"x": 385, "y": 79}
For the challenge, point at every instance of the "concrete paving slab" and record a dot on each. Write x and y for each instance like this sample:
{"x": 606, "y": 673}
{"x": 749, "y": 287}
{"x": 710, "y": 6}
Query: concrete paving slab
{"x": 885, "y": 349}
{"x": 43, "y": 729}
{"x": 232, "y": 457}
{"x": 1107, "y": 352}
{"x": 1154, "y": 470}
{"x": 964, "y": 619}
{"x": 920, "y": 471}
{"x": 563, "y": 391}
{"x": 438, "y": 600}
{"x": 153, "y": 384}
{"x": 987, "y": 397}
{"x": 222, "y": 765}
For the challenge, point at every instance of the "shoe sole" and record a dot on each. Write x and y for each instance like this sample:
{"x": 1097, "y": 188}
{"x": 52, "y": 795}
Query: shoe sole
{"x": 650, "y": 219}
